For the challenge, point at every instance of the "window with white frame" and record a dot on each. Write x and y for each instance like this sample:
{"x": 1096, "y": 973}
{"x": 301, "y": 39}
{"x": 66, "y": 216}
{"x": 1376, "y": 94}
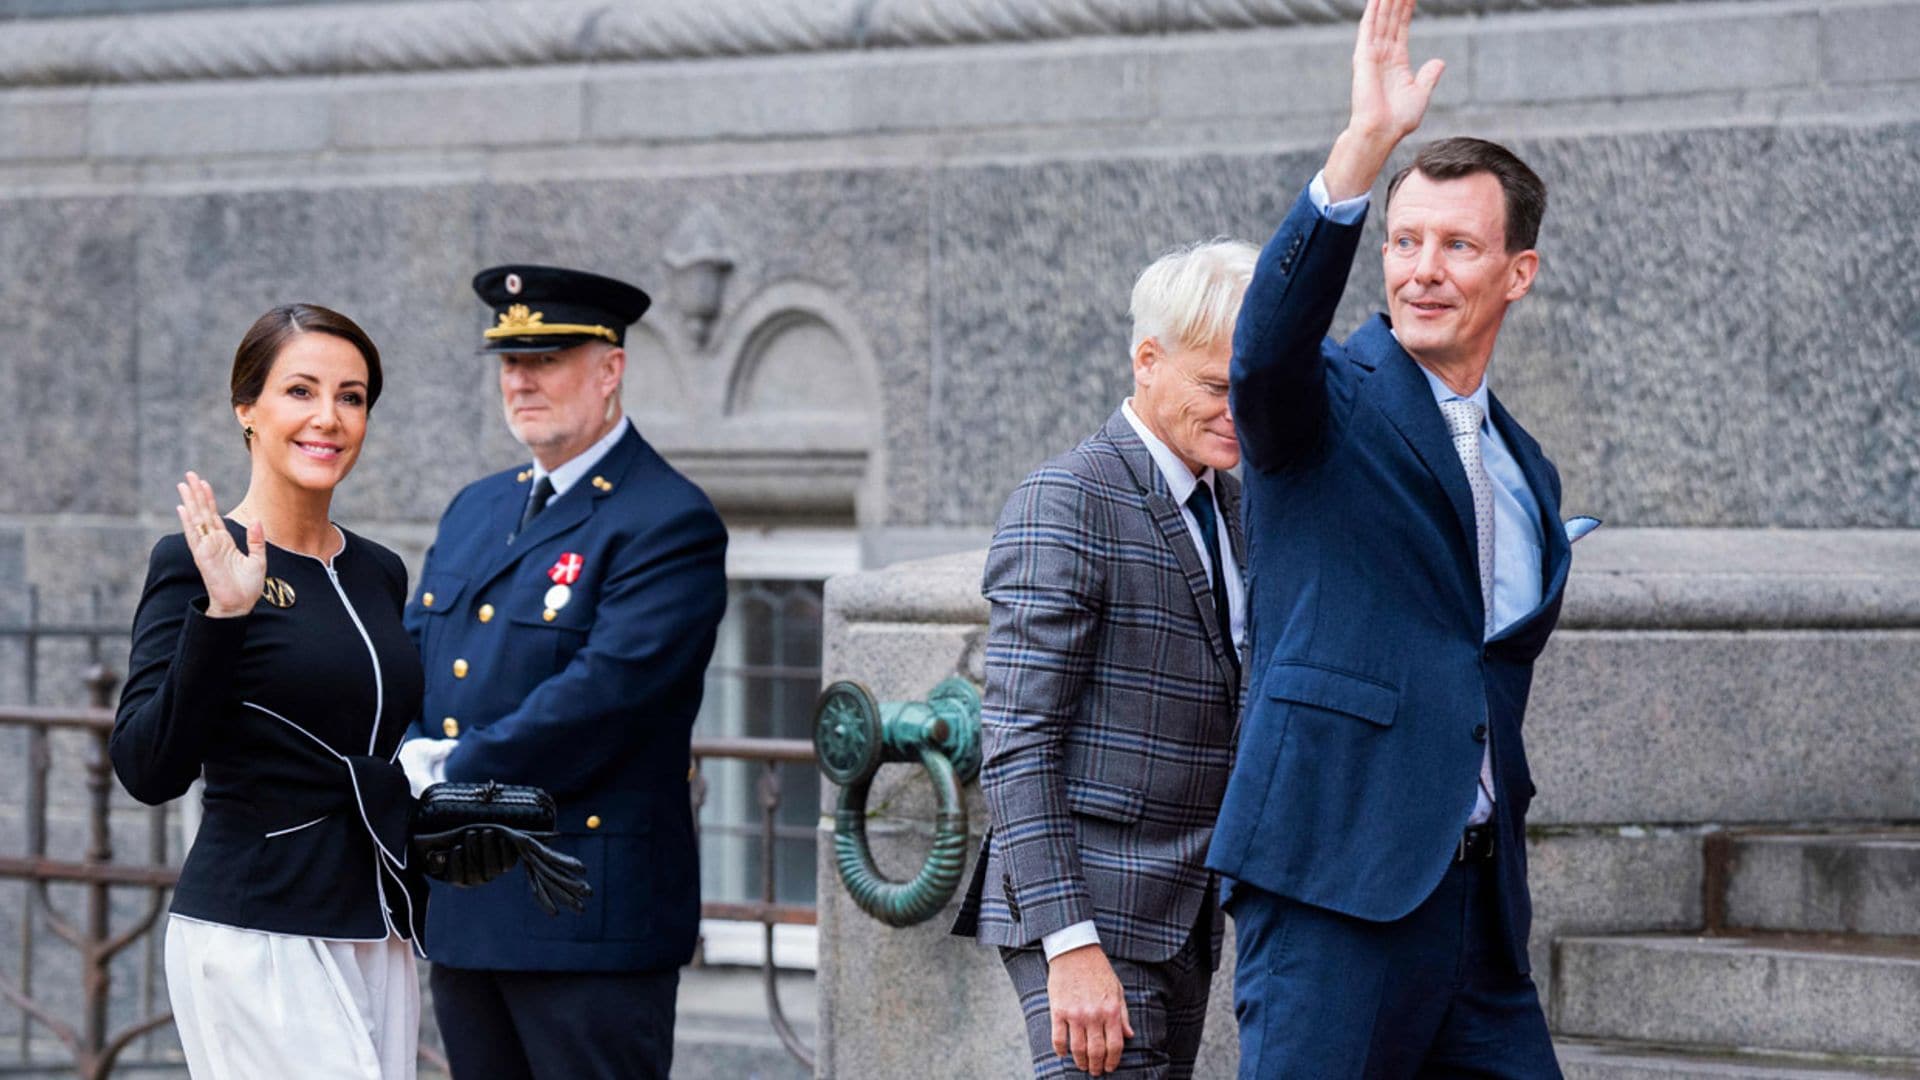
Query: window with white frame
{"x": 762, "y": 683}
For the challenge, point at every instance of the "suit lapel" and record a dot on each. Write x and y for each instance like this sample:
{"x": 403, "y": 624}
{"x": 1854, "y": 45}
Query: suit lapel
{"x": 1160, "y": 506}
{"x": 1556, "y": 553}
{"x": 563, "y": 513}
{"x": 1403, "y": 394}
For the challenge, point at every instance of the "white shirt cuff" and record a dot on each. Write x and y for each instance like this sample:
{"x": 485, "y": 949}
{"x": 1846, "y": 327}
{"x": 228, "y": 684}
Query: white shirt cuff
{"x": 425, "y": 762}
{"x": 1344, "y": 212}
{"x": 1068, "y": 938}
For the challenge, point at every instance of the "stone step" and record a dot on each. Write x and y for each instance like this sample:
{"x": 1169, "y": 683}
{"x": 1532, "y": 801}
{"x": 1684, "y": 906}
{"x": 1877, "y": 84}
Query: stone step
{"x": 1586, "y": 1059}
{"x": 1782, "y": 992}
{"x": 1865, "y": 882}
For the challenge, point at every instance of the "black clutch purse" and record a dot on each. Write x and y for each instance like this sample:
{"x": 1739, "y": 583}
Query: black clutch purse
{"x": 455, "y": 806}
{"x": 469, "y": 834}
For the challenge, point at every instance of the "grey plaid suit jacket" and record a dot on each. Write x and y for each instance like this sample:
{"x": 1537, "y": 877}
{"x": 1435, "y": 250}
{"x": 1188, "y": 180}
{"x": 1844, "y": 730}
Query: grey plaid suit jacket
{"x": 1109, "y": 714}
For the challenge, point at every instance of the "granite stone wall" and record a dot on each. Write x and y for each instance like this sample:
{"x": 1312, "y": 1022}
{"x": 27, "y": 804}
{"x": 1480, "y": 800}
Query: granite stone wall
{"x": 1724, "y": 332}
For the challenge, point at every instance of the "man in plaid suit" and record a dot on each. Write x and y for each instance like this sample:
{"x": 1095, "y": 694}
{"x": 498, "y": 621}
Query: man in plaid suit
{"x": 1113, "y": 675}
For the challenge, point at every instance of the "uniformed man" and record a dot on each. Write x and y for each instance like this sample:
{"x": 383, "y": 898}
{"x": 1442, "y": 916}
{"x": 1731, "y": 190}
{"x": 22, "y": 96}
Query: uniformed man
{"x": 565, "y": 617}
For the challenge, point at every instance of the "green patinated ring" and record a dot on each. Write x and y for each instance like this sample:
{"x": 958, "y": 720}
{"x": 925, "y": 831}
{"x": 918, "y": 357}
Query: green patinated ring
{"x": 903, "y": 903}
{"x": 853, "y": 736}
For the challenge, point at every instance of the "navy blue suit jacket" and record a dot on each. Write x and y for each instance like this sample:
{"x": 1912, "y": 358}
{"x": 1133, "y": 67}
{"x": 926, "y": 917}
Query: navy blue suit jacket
{"x": 1371, "y": 692}
{"x": 595, "y": 704}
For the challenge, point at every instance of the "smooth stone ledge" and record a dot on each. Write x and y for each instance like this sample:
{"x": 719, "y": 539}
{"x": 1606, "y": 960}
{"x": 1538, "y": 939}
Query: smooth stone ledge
{"x": 1623, "y": 579}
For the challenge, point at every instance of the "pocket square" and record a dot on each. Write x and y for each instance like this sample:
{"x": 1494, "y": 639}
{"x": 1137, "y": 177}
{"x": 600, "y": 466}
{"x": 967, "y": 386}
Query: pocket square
{"x": 1579, "y": 527}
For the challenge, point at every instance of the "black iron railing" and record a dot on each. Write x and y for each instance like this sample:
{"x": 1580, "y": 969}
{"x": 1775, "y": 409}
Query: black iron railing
{"x": 770, "y": 754}
{"x": 93, "y": 1046}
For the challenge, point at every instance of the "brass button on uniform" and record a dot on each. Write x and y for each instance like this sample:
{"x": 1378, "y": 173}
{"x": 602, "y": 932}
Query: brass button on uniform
{"x": 548, "y": 615}
{"x": 459, "y": 669}
{"x": 426, "y": 599}
{"x": 486, "y": 612}
{"x": 593, "y": 821}
{"x": 450, "y": 726}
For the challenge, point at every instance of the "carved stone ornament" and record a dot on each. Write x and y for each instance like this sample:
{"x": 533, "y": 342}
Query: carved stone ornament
{"x": 439, "y": 35}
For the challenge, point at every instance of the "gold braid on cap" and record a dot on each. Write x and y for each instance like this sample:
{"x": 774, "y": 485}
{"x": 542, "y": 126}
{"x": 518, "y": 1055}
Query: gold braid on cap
{"x": 521, "y": 321}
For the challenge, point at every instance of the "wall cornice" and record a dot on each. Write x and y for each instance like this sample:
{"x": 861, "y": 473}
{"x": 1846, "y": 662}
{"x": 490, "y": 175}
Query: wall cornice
{"x": 441, "y": 35}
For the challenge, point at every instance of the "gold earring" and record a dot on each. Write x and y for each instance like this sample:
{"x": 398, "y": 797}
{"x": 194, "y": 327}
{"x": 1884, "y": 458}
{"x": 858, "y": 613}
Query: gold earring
{"x": 246, "y": 432}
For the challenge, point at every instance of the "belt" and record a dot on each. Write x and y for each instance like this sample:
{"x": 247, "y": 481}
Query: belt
{"x": 1476, "y": 844}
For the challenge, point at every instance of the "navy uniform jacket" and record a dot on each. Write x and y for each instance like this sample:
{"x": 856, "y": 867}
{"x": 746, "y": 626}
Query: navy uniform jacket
{"x": 595, "y": 703}
{"x": 1371, "y": 692}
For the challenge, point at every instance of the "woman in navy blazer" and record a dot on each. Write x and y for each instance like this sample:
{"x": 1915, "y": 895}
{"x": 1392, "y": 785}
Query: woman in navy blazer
{"x": 269, "y": 656}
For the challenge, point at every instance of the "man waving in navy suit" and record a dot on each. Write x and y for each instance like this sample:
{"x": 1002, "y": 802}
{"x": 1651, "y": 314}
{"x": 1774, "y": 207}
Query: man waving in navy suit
{"x": 565, "y": 617}
{"x": 1407, "y": 563}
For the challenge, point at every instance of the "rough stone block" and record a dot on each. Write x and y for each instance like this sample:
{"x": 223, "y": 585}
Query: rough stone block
{"x": 225, "y": 119}
{"x": 1582, "y": 1059}
{"x": 485, "y": 109}
{"x": 1870, "y": 42}
{"x": 876, "y": 92}
{"x": 1775, "y": 993}
{"x": 1775, "y": 726}
{"x": 720, "y": 99}
{"x": 1637, "y": 52}
{"x": 1609, "y": 882}
{"x": 43, "y": 124}
{"x": 1272, "y": 73}
{"x": 72, "y": 432}
{"x": 1853, "y": 882}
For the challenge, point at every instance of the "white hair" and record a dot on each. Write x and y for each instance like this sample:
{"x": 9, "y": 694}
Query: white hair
{"x": 1190, "y": 297}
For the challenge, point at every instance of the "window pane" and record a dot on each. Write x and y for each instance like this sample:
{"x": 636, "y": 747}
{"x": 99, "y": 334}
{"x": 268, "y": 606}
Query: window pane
{"x": 762, "y": 683}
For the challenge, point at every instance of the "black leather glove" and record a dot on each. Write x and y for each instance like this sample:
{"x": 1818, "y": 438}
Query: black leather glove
{"x": 557, "y": 879}
{"x": 474, "y": 832}
{"x": 467, "y": 856}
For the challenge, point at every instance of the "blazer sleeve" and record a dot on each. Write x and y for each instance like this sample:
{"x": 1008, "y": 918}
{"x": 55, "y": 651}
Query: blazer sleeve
{"x": 178, "y": 679}
{"x": 1045, "y": 585}
{"x": 1278, "y": 387}
{"x": 654, "y": 626}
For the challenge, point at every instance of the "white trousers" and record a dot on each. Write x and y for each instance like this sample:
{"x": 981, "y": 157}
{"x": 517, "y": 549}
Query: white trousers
{"x": 250, "y": 1004}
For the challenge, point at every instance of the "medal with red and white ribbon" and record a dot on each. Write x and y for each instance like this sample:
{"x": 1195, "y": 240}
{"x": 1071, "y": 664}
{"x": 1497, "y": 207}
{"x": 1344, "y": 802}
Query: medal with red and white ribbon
{"x": 564, "y": 572}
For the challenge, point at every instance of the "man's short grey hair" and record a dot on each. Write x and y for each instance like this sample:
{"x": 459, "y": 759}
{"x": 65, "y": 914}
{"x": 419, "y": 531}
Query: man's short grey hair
{"x": 1190, "y": 297}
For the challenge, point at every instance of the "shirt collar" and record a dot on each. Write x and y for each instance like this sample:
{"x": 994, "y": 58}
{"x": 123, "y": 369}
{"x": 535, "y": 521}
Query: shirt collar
{"x": 1180, "y": 481}
{"x": 570, "y": 472}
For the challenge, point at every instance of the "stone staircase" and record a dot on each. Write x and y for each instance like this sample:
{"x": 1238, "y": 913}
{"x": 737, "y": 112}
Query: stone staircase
{"x": 1809, "y": 968}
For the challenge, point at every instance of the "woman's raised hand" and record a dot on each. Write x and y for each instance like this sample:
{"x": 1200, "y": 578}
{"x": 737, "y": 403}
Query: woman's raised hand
{"x": 233, "y": 578}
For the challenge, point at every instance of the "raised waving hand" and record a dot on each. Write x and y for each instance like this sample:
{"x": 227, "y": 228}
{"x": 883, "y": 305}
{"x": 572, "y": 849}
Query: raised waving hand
{"x": 233, "y": 578}
{"x": 1389, "y": 98}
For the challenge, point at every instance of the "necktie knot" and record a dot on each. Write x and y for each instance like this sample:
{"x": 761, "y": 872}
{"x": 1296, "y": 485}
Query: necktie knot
{"x": 1201, "y": 503}
{"x": 1463, "y": 416}
{"x": 536, "y": 501}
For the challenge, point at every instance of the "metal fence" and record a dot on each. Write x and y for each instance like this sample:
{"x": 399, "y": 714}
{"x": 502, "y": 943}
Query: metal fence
{"x": 116, "y": 940}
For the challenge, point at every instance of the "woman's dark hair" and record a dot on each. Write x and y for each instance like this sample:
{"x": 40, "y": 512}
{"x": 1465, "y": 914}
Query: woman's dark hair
{"x": 253, "y": 360}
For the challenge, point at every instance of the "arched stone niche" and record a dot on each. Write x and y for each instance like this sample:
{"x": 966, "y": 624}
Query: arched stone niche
{"x": 779, "y": 418}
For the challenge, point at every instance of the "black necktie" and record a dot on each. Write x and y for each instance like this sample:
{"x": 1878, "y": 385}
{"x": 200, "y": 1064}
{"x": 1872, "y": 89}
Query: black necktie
{"x": 1201, "y": 503}
{"x": 542, "y": 491}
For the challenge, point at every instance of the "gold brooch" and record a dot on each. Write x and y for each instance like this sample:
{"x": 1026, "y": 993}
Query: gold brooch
{"x": 277, "y": 592}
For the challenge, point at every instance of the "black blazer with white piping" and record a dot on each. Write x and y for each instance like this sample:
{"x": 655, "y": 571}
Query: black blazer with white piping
{"x": 294, "y": 713}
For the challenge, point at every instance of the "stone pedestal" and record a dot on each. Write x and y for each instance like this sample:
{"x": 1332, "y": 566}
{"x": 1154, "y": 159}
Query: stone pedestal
{"x": 1700, "y": 679}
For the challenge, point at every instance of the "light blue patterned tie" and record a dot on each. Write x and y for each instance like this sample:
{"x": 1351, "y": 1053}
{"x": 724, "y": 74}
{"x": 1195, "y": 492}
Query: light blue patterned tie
{"x": 1463, "y": 423}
